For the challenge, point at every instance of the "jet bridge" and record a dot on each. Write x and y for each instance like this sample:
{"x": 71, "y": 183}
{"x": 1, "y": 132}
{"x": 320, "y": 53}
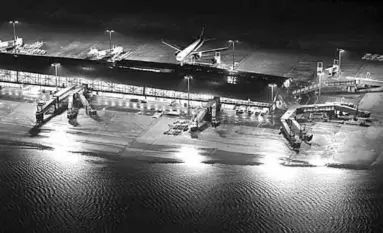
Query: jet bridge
{"x": 70, "y": 93}
{"x": 211, "y": 107}
{"x": 54, "y": 102}
{"x": 71, "y": 112}
{"x": 295, "y": 133}
{"x": 350, "y": 84}
{"x": 337, "y": 108}
{"x": 88, "y": 109}
{"x": 78, "y": 93}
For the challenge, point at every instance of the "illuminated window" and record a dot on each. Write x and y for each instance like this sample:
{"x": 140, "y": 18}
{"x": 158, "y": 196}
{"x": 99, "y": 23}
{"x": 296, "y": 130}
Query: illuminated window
{"x": 231, "y": 79}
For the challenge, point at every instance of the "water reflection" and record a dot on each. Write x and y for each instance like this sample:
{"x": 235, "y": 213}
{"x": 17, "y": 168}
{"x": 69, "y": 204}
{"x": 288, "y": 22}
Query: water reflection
{"x": 232, "y": 79}
{"x": 273, "y": 167}
{"x": 319, "y": 162}
{"x": 63, "y": 143}
{"x": 61, "y": 154}
{"x": 190, "y": 155}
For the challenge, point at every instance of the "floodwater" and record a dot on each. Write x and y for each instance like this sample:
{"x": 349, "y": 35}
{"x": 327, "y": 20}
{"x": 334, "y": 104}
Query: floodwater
{"x": 51, "y": 185}
{"x": 43, "y": 190}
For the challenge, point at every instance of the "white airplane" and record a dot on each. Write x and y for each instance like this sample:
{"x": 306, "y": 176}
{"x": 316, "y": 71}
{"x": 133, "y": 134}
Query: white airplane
{"x": 191, "y": 50}
{"x": 9, "y": 45}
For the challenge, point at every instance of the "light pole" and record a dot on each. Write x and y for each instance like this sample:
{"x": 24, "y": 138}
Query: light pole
{"x": 320, "y": 84}
{"x": 188, "y": 77}
{"x": 56, "y": 65}
{"x": 14, "y": 22}
{"x": 272, "y": 85}
{"x": 110, "y": 37}
{"x": 233, "y": 42}
{"x": 340, "y": 58}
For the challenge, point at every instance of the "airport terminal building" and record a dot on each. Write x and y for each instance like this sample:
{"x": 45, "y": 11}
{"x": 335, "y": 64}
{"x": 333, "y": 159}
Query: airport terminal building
{"x": 153, "y": 81}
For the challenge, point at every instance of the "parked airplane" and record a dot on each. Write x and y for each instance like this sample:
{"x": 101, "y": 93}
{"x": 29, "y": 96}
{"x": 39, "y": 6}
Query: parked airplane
{"x": 191, "y": 50}
{"x": 11, "y": 44}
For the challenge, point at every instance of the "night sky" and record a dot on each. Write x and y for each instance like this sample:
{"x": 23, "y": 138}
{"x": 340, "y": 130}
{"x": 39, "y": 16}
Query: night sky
{"x": 321, "y": 15}
{"x": 212, "y": 6}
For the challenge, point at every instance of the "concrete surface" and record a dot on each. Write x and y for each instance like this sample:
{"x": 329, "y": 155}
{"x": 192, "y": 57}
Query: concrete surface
{"x": 121, "y": 132}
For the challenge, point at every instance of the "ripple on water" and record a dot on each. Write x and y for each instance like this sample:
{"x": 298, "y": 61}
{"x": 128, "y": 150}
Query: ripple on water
{"x": 40, "y": 192}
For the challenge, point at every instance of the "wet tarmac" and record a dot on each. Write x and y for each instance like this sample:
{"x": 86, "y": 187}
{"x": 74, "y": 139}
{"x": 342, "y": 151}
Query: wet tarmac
{"x": 120, "y": 175}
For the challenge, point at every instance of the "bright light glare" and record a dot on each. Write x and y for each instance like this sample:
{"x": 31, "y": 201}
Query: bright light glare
{"x": 58, "y": 137}
{"x": 272, "y": 166}
{"x": 62, "y": 143}
{"x": 321, "y": 162}
{"x": 260, "y": 118}
{"x": 272, "y": 85}
{"x": 56, "y": 64}
{"x": 61, "y": 154}
{"x": 318, "y": 162}
{"x": 34, "y": 90}
{"x": 190, "y": 155}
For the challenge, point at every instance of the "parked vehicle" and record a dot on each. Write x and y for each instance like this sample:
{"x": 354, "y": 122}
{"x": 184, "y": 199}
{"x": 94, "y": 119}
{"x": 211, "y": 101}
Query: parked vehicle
{"x": 173, "y": 112}
{"x": 158, "y": 114}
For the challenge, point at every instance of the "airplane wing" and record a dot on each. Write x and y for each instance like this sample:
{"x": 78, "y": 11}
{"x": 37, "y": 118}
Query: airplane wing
{"x": 178, "y": 48}
{"x": 211, "y": 50}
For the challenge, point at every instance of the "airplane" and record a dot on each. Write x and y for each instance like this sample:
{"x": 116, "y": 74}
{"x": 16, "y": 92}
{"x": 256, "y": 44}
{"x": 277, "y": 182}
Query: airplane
{"x": 11, "y": 44}
{"x": 191, "y": 50}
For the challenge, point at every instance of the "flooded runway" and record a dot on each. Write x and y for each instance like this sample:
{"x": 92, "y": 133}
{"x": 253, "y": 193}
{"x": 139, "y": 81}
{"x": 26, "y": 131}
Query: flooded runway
{"x": 123, "y": 175}
{"x": 46, "y": 191}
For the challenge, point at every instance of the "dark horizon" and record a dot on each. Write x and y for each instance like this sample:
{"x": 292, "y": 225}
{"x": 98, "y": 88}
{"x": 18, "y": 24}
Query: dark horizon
{"x": 265, "y": 7}
{"x": 258, "y": 22}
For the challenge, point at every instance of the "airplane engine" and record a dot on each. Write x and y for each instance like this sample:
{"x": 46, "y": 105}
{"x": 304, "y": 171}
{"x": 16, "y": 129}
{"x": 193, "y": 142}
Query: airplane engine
{"x": 197, "y": 56}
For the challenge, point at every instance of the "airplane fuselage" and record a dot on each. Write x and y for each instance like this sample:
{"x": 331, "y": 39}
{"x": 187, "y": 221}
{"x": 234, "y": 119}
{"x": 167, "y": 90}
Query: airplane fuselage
{"x": 188, "y": 50}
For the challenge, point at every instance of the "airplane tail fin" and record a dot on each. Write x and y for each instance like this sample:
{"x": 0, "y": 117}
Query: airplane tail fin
{"x": 201, "y": 35}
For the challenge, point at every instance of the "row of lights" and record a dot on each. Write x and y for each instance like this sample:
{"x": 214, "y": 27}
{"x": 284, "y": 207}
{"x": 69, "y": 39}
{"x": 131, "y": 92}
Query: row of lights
{"x": 142, "y": 107}
{"x": 10, "y": 92}
{"x": 110, "y": 31}
{"x": 14, "y": 22}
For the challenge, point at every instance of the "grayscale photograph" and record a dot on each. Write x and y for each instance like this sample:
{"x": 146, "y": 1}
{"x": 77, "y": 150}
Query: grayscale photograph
{"x": 191, "y": 116}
